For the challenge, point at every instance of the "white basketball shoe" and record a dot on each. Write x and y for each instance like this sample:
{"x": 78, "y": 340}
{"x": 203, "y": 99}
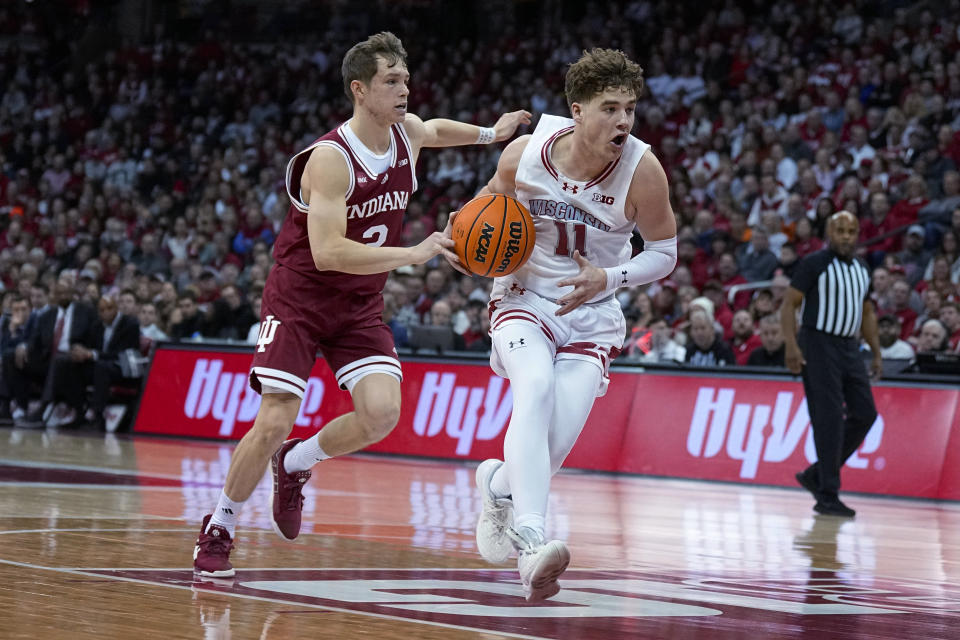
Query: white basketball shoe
{"x": 496, "y": 516}
{"x": 540, "y": 563}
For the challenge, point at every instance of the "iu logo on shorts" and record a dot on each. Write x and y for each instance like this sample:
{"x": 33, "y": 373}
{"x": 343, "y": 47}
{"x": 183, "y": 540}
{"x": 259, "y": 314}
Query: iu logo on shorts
{"x": 268, "y": 329}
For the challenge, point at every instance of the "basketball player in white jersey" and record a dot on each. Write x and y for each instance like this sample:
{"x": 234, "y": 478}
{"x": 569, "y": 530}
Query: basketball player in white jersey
{"x": 555, "y": 322}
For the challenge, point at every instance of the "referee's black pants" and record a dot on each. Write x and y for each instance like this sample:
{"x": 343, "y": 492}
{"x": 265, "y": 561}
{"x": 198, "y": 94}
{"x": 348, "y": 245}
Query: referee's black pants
{"x": 840, "y": 403}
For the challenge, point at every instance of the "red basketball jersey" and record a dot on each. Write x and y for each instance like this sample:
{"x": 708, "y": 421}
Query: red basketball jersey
{"x": 375, "y": 208}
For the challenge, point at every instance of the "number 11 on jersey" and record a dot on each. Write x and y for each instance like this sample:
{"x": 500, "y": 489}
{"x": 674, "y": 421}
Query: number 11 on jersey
{"x": 563, "y": 238}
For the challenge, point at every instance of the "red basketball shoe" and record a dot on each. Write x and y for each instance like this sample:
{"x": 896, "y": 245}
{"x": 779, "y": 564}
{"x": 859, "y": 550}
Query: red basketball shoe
{"x": 286, "y": 501}
{"x": 211, "y": 556}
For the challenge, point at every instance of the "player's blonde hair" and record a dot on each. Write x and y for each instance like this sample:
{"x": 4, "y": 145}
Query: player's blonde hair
{"x": 360, "y": 62}
{"x": 598, "y": 70}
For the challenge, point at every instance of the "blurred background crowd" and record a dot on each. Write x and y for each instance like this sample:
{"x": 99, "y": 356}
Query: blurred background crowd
{"x": 143, "y": 148}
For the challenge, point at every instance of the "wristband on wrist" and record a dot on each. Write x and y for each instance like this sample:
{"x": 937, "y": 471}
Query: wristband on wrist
{"x": 486, "y": 135}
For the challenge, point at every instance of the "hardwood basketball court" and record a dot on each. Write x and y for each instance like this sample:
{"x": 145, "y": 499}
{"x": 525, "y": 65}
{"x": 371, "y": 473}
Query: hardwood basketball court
{"x": 96, "y": 537}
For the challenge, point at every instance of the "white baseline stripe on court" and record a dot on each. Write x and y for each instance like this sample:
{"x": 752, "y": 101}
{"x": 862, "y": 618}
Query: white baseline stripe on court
{"x": 87, "y": 573}
{"x": 30, "y": 464}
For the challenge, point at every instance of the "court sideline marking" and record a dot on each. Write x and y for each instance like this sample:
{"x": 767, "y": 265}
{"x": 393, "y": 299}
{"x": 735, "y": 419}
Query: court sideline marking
{"x": 87, "y": 573}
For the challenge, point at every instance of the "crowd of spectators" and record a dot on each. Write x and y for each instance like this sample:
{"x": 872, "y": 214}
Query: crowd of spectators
{"x": 150, "y": 171}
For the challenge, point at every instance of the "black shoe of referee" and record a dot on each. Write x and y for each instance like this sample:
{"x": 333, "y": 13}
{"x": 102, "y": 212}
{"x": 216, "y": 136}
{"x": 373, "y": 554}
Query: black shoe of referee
{"x": 833, "y": 507}
{"x": 808, "y": 483}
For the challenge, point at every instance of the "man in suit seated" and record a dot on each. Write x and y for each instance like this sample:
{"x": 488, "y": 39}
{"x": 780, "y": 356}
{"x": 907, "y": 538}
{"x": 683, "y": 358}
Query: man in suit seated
{"x": 63, "y": 332}
{"x": 120, "y": 332}
{"x": 14, "y": 331}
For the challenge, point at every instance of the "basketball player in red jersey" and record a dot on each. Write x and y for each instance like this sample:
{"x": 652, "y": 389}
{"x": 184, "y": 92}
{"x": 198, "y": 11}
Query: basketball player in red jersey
{"x": 555, "y": 323}
{"x": 348, "y": 193}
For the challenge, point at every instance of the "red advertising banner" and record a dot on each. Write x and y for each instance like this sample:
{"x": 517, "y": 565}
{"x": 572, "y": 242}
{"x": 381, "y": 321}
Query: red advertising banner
{"x": 462, "y": 411}
{"x": 759, "y": 431}
{"x": 207, "y": 394}
{"x": 950, "y": 479}
{"x": 715, "y": 428}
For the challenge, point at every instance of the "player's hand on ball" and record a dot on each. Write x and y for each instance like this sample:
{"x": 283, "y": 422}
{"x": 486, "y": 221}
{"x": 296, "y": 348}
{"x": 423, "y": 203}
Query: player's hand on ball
{"x": 435, "y": 243}
{"x": 449, "y": 254}
{"x": 588, "y": 283}
{"x": 508, "y": 123}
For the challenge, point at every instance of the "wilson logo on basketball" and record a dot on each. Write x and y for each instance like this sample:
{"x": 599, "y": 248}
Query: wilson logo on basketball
{"x": 467, "y": 413}
{"x": 760, "y": 432}
{"x": 513, "y": 246}
{"x": 483, "y": 243}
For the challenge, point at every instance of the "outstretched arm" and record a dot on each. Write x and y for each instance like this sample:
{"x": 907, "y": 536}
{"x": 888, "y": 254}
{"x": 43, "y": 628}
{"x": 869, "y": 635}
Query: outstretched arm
{"x": 441, "y": 132}
{"x": 505, "y": 179}
{"x": 325, "y": 184}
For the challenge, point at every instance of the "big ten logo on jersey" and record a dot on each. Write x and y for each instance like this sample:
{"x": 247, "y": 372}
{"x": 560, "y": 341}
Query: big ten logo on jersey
{"x": 226, "y": 396}
{"x": 599, "y": 197}
{"x": 761, "y": 431}
{"x": 466, "y": 413}
{"x": 268, "y": 329}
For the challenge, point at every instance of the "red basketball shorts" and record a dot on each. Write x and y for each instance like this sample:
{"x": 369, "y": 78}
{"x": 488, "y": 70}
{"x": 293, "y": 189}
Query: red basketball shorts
{"x": 300, "y": 317}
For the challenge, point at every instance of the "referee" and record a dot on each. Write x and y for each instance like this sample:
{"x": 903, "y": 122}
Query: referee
{"x": 833, "y": 287}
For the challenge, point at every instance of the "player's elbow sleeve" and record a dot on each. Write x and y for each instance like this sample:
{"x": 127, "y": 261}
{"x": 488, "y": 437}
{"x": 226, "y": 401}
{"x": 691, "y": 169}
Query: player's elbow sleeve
{"x": 657, "y": 260}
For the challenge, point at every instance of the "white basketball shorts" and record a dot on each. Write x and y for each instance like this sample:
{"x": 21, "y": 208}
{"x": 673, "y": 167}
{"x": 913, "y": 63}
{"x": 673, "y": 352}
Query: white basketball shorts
{"x": 592, "y": 332}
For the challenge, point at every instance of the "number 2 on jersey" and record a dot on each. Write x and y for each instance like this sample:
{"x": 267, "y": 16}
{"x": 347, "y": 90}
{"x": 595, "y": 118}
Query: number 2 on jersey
{"x": 378, "y": 233}
{"x": 563, "y": 238}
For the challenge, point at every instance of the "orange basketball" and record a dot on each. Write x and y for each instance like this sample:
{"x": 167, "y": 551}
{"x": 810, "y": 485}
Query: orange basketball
{"x": 494, "y": 235}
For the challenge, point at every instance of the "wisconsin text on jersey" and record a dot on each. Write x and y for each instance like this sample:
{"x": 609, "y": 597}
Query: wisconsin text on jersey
{"x": 564, "y": 211}
{"x": 383, "y": 202}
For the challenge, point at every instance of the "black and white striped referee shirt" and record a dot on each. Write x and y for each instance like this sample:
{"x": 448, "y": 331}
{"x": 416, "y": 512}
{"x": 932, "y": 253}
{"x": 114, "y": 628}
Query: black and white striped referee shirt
{"x": 833, "y": 291}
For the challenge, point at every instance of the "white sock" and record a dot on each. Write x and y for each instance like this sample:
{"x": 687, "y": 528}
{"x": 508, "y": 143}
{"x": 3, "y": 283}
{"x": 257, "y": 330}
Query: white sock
{"x": 226, "y": 514}
{"x": 304, "y": 455}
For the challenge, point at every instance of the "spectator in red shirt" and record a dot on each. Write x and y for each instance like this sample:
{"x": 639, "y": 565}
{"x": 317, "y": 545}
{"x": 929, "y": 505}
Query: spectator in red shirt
{"x": 950, "y": 317}
{"x": 939, "y": 278}
{"x": 900, "y": 298}
{"x": 695, "y": 259}
{"x": 878, "y": 223}
{"x": 906, "y": 209}
{"x": 652, "y": 130}
{"x": 881, "y": 283}
{"x": 729, "y": 275}
{"x": 745, "y": 338}
{"x": 722, "y": 312}
{"x": 434, "y": 285}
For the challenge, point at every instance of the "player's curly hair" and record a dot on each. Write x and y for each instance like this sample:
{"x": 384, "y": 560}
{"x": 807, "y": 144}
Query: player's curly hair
{"x": 598, "y": 70}
{"x": 360, "y": 62}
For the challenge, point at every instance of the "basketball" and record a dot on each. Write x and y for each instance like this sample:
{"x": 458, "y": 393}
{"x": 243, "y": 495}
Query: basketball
{"x": 494, "y": 235}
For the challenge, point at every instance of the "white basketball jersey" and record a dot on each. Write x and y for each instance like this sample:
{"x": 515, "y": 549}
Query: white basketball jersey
{"x": 571, "y": 215}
